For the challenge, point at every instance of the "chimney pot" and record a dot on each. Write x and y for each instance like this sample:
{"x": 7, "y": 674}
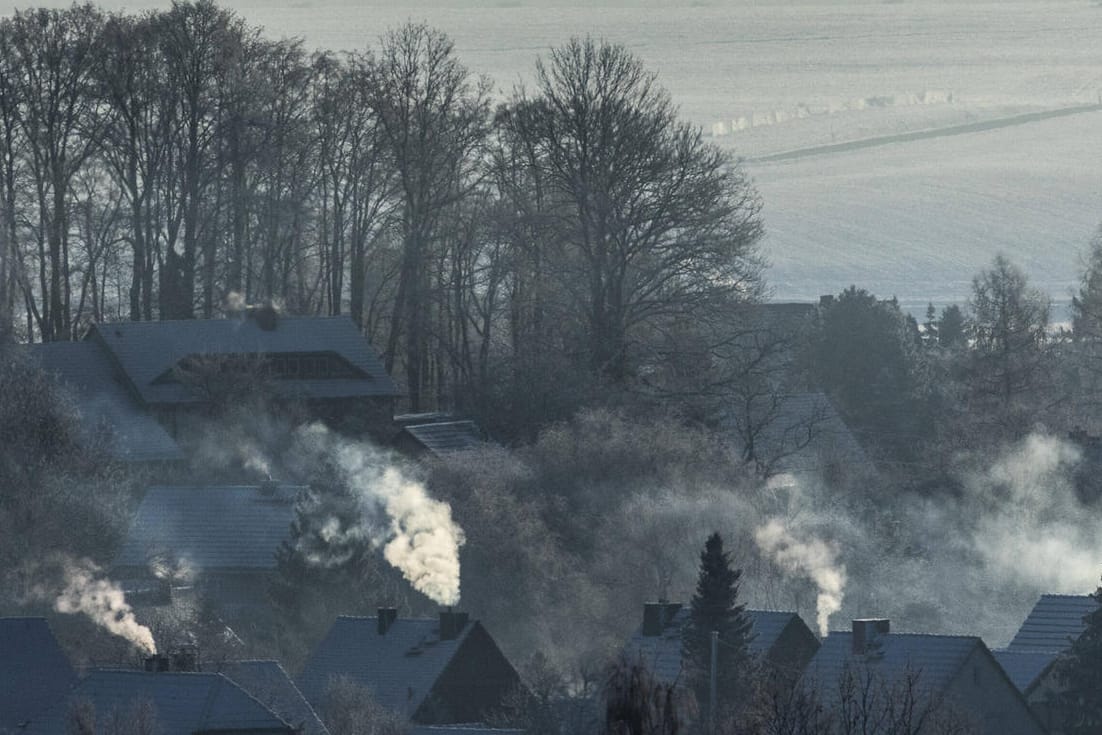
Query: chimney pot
{"x": 867, "y": 634}
{"x": 452, "y": 624}
{"x": 387, "y": 616}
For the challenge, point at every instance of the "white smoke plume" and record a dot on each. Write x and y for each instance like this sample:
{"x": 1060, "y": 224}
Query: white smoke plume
{"x": 416, "y": 532}
{"x": 813, "y": 558}
{"x": 1032, "y": 528}
{"x": 86, "y": 591}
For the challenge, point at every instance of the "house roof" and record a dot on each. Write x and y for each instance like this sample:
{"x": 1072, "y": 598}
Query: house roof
{"x": 446, "y": 436}
{"x": 227, "y": 528}
{"x": 1054, "y": 623}
{"x": 34, "y": 672}
{"x": 934, "y": 658}
{"x": 184, "y": 703}
{"x": 1025, "y": 668}
{"x": 268, "y": 683}
{"x": 662, "y": 653}
{"x": 803, "y": 430}
{"x": 145, "y": 351}
{"x": 105, "y": 403}
{"x": 400, "y": 666}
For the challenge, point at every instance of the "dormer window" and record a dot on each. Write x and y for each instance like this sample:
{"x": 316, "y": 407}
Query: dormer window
{"x": 271, "y": 365}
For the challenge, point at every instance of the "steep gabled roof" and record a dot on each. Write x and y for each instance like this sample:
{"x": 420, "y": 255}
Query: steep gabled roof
{"x": 446, "y": 436}
{"x": 268, "y": 683}
{"x": 401, "y": 666}
{"x": 1025, "y": 668}
{"x": 1055, "y": 622}
{"x": 183, "y": 704}
{"x": 146, "y": 351}
{"x": 85, "y": 371}
{"x": 223, "y": 528}
{"x": 34, "y": 672}
{"x": 662, "y": 653}
{"x": 935, "y": 659}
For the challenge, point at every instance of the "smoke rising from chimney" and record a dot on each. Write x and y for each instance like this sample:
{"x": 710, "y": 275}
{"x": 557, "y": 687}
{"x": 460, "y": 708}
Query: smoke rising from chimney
{"x": 416, "y": 532}
{"x": 85, "y": 591}
{"x": 813, "y": 558}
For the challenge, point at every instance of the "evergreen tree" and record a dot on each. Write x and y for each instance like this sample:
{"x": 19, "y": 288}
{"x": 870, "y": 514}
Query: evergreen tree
{"x": 1080, "y": 674}
{"x": 951, "y": 327}
{"x": 715, "y": 607}
{"x": 930, "y": 327}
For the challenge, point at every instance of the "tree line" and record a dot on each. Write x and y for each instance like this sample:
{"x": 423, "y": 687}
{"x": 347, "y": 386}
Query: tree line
{"x": 175, "y": 163}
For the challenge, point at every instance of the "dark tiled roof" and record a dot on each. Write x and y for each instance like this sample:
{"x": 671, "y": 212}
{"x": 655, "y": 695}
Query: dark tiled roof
{"x": 1025, "y": 668}
{"x": 104, "y": 401}
{"x": 148, "y": 350}
{"x": 662, "y": 653}
{"x": 785, "y": 434}
{"x": 1054, "y": 623}
{"x": 446, "y": 436}
{"x": 184, "y": 704}
{"x": 227, "y": 528}
{"x": 935, "y": 659}
{"x": 400, "y": 667}
{"x": 268, "y": 683}
{"x": 34, "y": 672}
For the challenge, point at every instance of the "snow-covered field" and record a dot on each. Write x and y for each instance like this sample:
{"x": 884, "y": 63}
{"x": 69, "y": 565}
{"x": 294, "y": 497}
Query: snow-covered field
{"x": 913, "y": 218}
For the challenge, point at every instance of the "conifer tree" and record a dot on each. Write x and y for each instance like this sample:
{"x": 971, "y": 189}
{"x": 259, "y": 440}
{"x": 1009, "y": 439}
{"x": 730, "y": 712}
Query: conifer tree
{"x": 715, "y": 607}
{"x": 1080, "y": 675}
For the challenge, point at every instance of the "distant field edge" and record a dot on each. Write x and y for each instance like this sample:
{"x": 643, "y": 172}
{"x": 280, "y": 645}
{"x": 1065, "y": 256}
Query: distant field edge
{"x": 974, "y": 127}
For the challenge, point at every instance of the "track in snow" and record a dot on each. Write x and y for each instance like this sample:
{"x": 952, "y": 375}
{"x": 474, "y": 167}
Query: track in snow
{"x": 976, "y": 127}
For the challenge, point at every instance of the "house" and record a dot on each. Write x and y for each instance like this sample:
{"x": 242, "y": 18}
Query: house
{"x": 1050, "y": 629}
{"x": 433, "y": 672}
{"x": 780, "y": 639}
{"x": 797, "y": 434}
{"x": 438, "y": 434}
{"x": 222, "y": 539}
{"x": 168, "y": 703}
{"x": 268, "y": 683}
{"x": 177, "y": 370}
{"x": 108, "y": 410}
{"x": 941, "y": 675}
{"x": 34, "y": 671}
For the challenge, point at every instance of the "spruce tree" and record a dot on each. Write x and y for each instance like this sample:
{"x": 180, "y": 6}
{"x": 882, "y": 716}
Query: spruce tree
{"x": 1080, "y": 675}
{"x": 715, "y": 607}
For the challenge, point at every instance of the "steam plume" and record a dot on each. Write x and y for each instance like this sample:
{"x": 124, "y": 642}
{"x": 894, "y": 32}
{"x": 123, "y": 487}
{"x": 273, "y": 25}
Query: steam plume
{"x": 85, "y": 591}
{"x": 417, "y": 533}
{"x": 813, "y": 558}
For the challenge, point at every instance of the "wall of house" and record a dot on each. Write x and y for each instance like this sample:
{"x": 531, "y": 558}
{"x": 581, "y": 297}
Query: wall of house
{"x": 1040, "y": 700}
{"x": 793, "y": 651}
{"x": 475, "y": 683}
{"x": 982, "y": 690}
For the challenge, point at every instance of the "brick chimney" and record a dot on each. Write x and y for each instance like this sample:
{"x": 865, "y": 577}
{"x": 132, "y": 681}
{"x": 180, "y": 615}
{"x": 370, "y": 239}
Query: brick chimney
{"x": 868, "y": 634}
{"x": 182, "y": 658}
{"x": 452, "y": 624}
{"x": 387, "y": 616}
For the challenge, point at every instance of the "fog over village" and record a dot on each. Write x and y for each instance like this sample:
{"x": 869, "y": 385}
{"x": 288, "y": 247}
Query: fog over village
{"x": 641, "y": 368}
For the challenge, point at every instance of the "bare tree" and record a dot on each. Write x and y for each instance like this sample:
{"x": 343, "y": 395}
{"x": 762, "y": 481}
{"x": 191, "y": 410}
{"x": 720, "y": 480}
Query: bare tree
{"x": 657, "y": 223}
{"x": 53, "y": 61}
{"x": 434, "y": 118}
